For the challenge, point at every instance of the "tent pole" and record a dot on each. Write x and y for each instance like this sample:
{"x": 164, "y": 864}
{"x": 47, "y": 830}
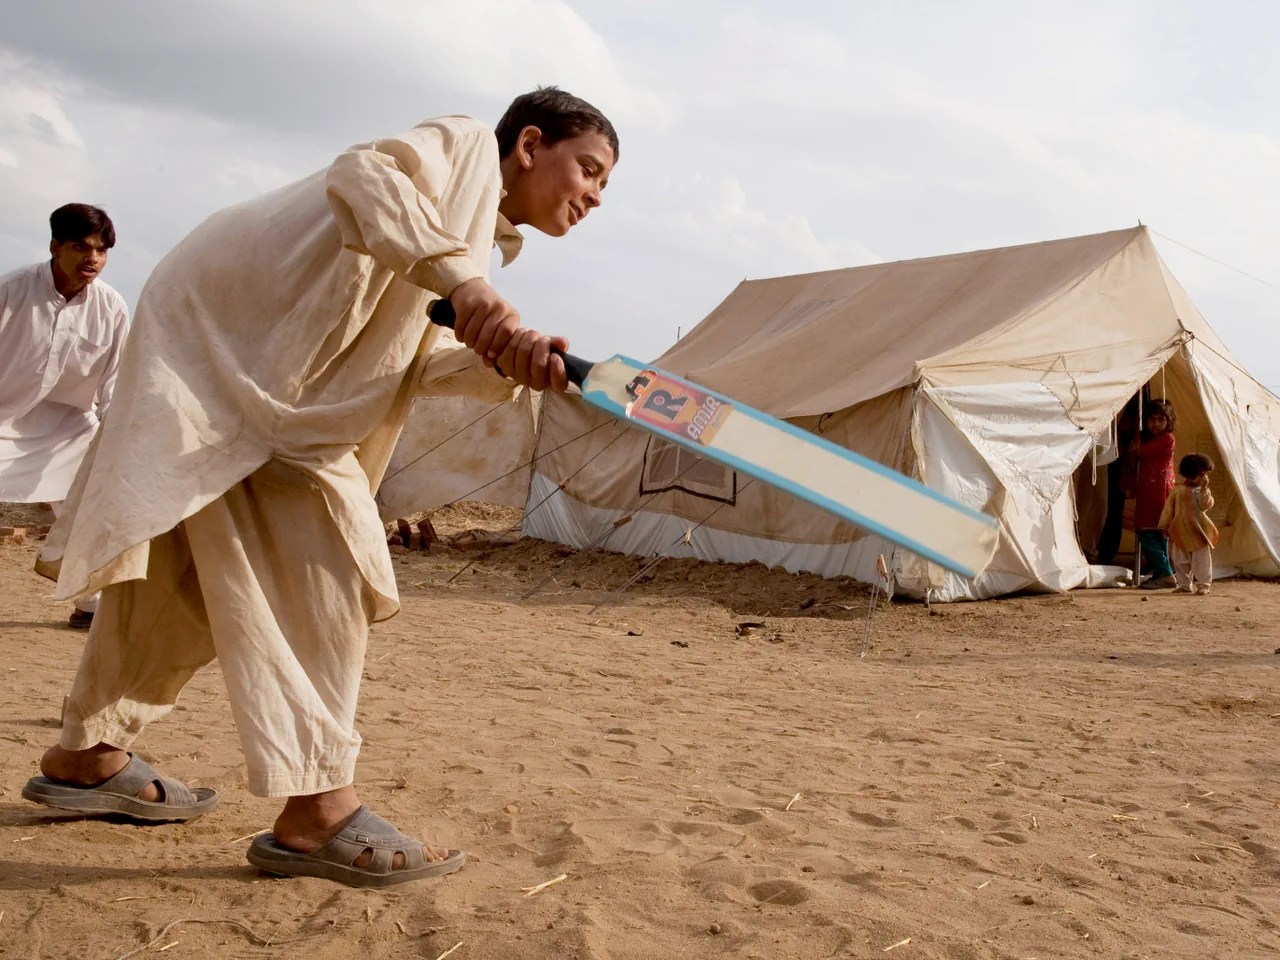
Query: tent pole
{"x": 1137, "y": 542}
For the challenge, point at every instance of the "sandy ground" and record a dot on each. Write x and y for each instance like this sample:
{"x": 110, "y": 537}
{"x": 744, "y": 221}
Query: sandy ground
{"x": 1092, "y": 775}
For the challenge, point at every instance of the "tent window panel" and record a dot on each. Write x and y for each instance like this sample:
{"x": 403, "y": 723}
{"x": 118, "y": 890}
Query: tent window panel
{"x": 671, "y": 467}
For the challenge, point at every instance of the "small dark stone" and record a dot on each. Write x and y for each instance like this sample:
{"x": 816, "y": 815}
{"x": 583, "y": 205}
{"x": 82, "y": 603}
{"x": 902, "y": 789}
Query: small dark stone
{"x": 1028, "y": 899}
{"x": 714, "y": 928}
{"x": 680, "y": 643}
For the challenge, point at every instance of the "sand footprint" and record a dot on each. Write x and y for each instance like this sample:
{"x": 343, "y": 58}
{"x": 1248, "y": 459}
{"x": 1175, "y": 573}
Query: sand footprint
{"x": 872, "y": 820}
{"x": 1259, "y": 850}
{"x": 564, "y": 846}
{"x": 863, "y": 880}
{"x": 739, "y": 816}
{"x": 704, "y": 830}
{"x": 1006, "y": 836}
{"x": 782, "y": 893}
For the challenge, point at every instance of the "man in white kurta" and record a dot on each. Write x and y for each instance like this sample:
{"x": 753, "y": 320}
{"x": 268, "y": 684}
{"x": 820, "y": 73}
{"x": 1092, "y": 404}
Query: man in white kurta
{"x": 227, "y": 507}
{"x": 62, "y": 330}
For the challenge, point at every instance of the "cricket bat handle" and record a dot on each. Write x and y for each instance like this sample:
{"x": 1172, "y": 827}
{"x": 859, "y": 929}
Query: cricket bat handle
{"x": 441, "y": 313}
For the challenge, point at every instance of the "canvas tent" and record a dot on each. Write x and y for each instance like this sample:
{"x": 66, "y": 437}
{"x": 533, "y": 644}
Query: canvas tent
{"x": 993, "y": 376}
{"x": 457, "y": 448}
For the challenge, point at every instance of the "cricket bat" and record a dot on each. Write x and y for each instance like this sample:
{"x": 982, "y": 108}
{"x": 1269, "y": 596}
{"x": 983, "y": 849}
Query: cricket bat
{"x": 854, "y": 488}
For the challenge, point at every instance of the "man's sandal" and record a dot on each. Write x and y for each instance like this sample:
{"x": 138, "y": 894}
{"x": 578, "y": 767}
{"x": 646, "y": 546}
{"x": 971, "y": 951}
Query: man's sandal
{"x": 120, "y": 795}
{"x": 364, "y": 832}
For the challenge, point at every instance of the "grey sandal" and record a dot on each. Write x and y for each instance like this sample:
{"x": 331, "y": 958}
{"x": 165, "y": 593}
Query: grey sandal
{"x": 336, "y": 859}
{"x": 120, "y": 795}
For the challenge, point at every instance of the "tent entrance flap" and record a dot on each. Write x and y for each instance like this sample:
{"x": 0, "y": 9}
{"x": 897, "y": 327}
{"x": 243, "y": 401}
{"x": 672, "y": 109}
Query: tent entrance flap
{"x": 1021, "y": 430}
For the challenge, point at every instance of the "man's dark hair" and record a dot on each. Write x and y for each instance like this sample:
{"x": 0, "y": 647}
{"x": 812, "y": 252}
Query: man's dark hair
{"x": 557, "y": 113}
{"x": 1194, "y": 464}
{"x": 75, "y": 221}
{"x": 1165, "y": 409}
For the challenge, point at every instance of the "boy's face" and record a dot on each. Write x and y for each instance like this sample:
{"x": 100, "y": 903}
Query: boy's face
{"x": 80, "y": 261}
{"x": 559, "y": 183}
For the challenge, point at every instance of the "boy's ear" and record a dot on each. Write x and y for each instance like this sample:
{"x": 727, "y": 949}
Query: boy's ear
{"x": 527, "y": 145}
{"x": 54, "y": 246}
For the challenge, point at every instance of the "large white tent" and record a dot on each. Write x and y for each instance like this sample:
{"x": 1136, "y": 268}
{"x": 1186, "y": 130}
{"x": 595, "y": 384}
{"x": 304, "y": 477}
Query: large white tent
{"x": 456, "y": 448}
{"x": 993, "y": 376}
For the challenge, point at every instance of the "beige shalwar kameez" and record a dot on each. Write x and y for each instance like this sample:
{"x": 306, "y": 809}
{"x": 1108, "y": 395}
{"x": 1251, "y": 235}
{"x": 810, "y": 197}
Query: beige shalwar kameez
{"x": 227, "y": 505}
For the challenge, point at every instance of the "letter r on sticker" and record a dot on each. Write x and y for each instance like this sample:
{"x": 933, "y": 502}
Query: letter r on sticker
{"x": 664, "y": 404}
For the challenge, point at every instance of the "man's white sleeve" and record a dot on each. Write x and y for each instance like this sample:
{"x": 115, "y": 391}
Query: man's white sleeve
{"x": 107, "y": 385}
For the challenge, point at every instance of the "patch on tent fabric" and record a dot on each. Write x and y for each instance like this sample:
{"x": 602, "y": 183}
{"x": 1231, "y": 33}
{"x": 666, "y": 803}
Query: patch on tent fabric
{"x": 669, "y": 466}
{"x": 675, "y": 407}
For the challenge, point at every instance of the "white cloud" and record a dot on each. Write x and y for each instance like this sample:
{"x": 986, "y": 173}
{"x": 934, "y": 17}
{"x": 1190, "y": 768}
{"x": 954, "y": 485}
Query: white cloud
{"x": 252, "y": 177}
{"x": 32, "y": 115}
{"x": 757, "y": 139}
{"x": 43, "y": 151}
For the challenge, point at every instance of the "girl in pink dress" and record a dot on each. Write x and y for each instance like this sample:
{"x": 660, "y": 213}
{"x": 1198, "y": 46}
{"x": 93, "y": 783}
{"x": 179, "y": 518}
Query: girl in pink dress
{"x": 1151, "y": 454}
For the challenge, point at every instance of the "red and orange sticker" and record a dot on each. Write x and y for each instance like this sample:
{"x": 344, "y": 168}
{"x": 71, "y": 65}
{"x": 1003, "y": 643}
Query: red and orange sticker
{"x": 674, "y": 407}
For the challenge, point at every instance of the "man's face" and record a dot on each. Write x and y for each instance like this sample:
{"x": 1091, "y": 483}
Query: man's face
{"x": 80, "y": 261}
{"x": 563, "y": 181}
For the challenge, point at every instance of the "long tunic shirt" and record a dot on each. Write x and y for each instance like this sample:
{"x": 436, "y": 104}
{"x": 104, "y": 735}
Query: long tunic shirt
{"x": 58, "y": 364}
{"x": 1153, "y": 465}
{"x": 293, "y": 328}
{"x": 1185, "y": 518}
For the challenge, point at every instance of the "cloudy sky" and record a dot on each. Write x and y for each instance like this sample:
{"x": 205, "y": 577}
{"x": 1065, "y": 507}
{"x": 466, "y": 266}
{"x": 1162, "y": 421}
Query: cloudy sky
{"x": 758, "y": 138}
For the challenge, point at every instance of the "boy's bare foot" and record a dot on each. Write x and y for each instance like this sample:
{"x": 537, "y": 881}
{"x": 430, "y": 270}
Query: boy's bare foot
{"x": 307, "y": 823}
{"x": 88, "y": 768}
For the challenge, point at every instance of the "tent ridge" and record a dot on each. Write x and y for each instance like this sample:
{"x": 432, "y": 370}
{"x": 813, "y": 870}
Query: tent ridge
{"x": 943, "y": 257}
{"x": 1048, "y": 298}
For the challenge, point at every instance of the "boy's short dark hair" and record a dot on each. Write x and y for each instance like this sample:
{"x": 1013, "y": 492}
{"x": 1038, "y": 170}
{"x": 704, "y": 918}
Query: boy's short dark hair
{"x": 1194, "y": 464}
{"x": 1163, "y": 407}
{"x": 557, "y": 113}
{"x": 75, "y": 221}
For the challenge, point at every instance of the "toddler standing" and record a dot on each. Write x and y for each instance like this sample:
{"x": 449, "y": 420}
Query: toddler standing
{"x": 1185, "y": 518}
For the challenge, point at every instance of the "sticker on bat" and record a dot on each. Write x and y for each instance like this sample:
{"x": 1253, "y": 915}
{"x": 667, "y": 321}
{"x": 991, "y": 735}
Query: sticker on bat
{"x": 675, "y": 407}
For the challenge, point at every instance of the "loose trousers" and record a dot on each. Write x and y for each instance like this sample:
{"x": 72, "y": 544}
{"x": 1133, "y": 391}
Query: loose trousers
{"x": 262, "y": 580}
{"x": 1195, "y": 566}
